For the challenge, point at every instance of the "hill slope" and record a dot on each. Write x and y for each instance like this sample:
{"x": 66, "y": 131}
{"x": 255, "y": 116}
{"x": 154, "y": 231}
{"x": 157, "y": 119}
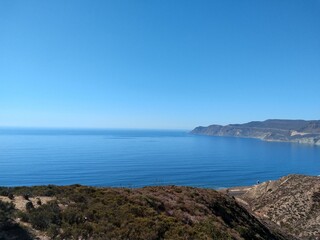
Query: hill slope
{"x": 292, "y": 202}
{"x": 300, "y": 131}
{"x": 170, "y": 212}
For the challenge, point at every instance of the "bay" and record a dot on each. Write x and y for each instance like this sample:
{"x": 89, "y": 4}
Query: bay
{"x": 137, "y": 158}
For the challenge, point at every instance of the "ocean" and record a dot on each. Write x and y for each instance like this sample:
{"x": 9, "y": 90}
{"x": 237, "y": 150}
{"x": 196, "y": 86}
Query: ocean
{"x": 137, "y": 158}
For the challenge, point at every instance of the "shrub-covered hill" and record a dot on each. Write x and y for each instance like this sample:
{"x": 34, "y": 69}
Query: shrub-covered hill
{"x": 169, "y": 212}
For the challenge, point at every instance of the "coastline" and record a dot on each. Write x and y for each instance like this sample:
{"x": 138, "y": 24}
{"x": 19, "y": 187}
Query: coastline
{"x": 308, "y": 141}
{"x": 273, "y": 130}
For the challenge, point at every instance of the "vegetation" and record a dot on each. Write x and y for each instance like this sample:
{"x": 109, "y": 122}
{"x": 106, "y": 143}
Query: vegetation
{"x": 6, "y": 211}
{"x": 79, "y": 212}
{"x": 8, "y": 228}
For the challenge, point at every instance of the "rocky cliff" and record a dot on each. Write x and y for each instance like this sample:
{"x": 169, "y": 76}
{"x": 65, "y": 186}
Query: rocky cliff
{"x": 299, "y": 131}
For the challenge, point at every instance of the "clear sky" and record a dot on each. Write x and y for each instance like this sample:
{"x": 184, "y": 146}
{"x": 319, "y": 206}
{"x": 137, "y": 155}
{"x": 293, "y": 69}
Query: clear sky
{"x": 170, "y": 64}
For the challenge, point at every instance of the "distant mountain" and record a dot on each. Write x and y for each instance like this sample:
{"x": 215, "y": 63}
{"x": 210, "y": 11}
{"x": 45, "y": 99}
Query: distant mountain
{"x": 300, "y": 131}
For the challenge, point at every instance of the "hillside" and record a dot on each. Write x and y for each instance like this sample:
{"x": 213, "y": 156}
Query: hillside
{"x": 292, "y": 202}
{"x": 170, "y": 212}
{"x": 299, "y": 131}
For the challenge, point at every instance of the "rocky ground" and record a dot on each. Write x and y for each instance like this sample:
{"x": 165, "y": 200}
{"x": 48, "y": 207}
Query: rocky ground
{"x": 292, "y": 203}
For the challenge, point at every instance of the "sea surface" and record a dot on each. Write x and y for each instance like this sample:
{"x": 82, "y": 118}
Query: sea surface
{"x": 136, "y": 158}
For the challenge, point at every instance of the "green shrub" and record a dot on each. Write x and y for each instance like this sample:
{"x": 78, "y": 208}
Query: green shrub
{"x": 10, "y": 196}
{"x": 6, "y": 211}
{"x": 29, "y": 206}
{"x": 4, "y": 192}
{"x": 39, "y": 201}
{"x": 45, "y": 215}
{"x": 23, "y": 216}
{"x": 26, "y": 196}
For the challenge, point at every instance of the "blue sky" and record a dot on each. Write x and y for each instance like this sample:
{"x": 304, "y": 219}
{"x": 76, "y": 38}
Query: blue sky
{"x": 158, "y": 64}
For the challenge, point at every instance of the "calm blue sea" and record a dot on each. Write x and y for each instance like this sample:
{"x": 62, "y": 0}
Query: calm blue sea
{"x": 138, "y": 158}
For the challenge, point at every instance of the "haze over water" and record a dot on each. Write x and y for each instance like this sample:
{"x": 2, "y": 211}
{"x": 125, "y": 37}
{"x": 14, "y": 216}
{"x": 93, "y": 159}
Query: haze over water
{"x": 137, "y": 158}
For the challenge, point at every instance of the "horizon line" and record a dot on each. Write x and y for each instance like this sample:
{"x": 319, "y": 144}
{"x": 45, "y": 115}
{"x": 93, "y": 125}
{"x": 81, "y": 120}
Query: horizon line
{"x": 90, "y": 128}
